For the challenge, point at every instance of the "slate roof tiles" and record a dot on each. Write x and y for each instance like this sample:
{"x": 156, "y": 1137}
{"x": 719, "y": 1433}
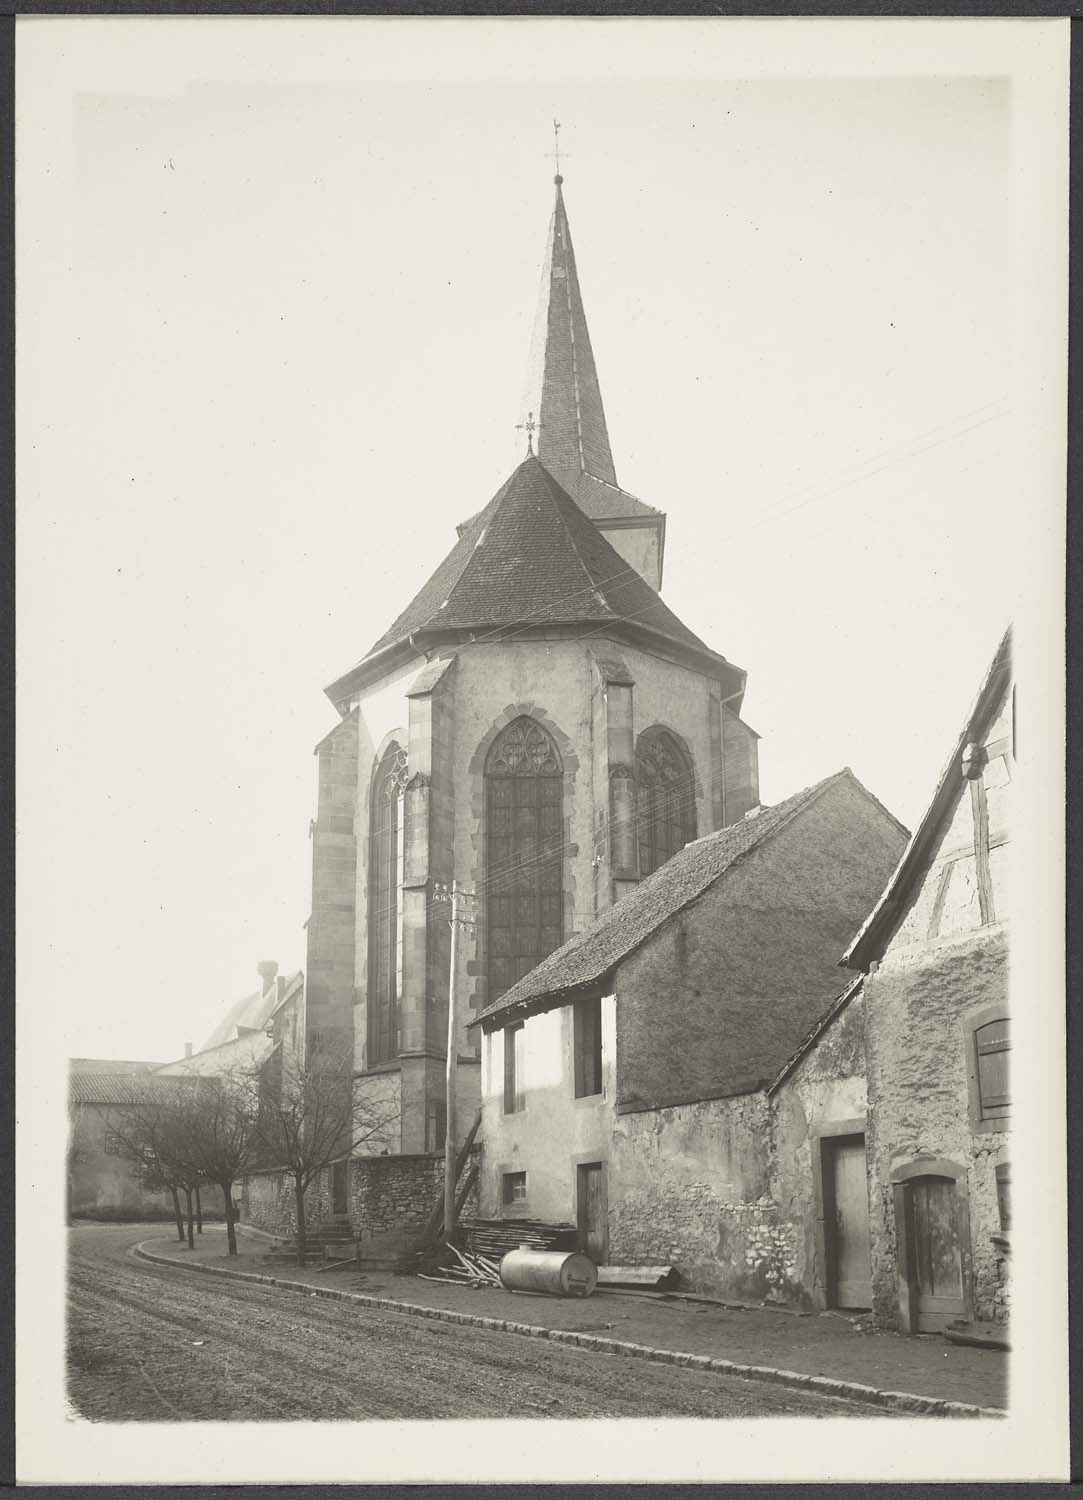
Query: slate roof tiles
{"x": 532, "y": 557}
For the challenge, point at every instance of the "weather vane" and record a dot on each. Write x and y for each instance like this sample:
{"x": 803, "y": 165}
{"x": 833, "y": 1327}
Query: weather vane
{"x": 555, "y": 153}
{"x": 530, "y": 427}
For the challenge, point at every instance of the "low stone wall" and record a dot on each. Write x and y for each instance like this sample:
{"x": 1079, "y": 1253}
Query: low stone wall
{"x": 267, "y": 1202}
{"x": 690, "y": 1187}
{"x": 386, "y": 1196}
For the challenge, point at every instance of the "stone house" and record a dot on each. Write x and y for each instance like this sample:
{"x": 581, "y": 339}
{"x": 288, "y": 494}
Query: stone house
{"x": 934, "y": 952}
{"x": 683, "y": 1079}
{"x": 102, "y": 1183}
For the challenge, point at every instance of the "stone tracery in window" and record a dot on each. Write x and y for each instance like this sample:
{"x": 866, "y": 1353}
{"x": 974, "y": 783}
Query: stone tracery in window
{"x": 665, "y": 798}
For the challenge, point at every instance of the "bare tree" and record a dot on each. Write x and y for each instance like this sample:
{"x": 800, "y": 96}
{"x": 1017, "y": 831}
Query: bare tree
{"x": 309, "y": 1116}
{"x": 151, "y": 1132}
{"x": 218, "y": 1136}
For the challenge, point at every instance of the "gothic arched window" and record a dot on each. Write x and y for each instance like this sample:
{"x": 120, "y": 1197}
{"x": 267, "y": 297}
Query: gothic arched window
{"x": 665, "y": 798}
{"x": 524, "y": 852}
{"x": 385, "y": 905}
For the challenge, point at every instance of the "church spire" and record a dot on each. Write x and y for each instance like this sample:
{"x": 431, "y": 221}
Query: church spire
{"x": 564, "y": 390}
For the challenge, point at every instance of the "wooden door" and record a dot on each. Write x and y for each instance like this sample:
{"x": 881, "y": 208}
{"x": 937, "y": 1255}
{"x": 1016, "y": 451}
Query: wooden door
{"x": 592, "y": 1211}
{"x": 936, "y": 1253}
{"x": 846, "y": 1222}
{"x": 339, "y": 1204}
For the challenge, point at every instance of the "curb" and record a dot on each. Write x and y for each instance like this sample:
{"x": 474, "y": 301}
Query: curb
{"x": 821, "y": 1385}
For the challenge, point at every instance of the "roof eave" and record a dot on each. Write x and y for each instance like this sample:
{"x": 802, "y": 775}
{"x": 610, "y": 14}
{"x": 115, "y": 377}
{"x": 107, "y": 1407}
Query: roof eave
{"x": 370, "y": 669}
{"x": 536, "y": 1005}
{"x": 434, "y": 635}
{"x": 872, "y": 938}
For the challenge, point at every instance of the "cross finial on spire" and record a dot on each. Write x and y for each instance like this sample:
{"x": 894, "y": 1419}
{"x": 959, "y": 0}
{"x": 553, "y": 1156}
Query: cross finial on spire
{"x": 530, "y": 427}
{"x": 555, "y": 153}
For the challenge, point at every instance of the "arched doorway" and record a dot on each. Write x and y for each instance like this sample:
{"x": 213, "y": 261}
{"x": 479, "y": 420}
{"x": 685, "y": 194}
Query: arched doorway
{"x": 932, "y": 1229}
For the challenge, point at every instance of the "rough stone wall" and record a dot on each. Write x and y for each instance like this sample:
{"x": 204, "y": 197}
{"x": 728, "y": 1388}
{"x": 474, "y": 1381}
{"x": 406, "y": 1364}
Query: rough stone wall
{"x": 267, "y": 1202}
{"x": 918, "y": 1052}
{"x": 690, "y": 1186}
{"x": 826, "y": 1088}
{"x": 946, "y": 960}
{"x": 394, "y": 1193}
{"x": 385, "y": 1195}
{"x": 766, "y": 940}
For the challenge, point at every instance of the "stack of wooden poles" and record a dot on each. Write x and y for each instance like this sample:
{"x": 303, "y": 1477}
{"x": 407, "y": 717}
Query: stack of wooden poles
{"x": 464, "y": 1269}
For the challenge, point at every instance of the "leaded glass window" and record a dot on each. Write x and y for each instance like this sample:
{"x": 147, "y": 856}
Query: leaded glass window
{"x": 524, "y": 848}
{"x": 385, "y": 905}
{"x": 665, "y": 798}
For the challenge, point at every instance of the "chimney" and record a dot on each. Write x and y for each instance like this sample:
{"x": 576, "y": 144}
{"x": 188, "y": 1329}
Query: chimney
{"x": 187, "y": 1049}
{"x": 267, "y": 971}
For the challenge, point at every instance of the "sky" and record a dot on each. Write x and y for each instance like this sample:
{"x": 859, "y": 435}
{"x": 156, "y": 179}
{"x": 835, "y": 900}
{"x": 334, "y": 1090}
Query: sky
{"x": 274, "y": 323}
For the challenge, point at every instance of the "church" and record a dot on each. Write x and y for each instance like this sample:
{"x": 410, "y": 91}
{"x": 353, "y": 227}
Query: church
{"x": 537, "y": 725}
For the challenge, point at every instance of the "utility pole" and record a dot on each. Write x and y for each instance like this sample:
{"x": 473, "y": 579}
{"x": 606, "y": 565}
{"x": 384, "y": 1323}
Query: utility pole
{"x": 442, "y": 892}
{"x": 452, "y": 1050}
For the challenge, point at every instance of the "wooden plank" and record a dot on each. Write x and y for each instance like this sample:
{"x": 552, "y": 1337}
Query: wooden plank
{"x": 981, "y": 851}
{"x": 646, "y": 1276}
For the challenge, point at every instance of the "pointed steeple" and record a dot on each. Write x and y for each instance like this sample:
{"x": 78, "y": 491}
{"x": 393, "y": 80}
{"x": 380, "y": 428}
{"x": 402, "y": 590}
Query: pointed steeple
{"x": 572, "y": 437}
{"x": 563, "y": 389}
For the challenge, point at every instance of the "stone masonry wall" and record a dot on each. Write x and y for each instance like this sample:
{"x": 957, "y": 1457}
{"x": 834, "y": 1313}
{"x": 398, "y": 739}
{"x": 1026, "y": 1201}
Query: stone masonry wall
{"x": 387, "y": 1195}
{"x": 826, "y": 1089}
{"x": 690, "y": 1187}
{"x": 267, "y": 1202}
{"x": 918, "y": 1061}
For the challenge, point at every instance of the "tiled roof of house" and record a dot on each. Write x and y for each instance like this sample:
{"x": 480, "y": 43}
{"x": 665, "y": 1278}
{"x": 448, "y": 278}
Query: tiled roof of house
{"x": 109, "y": 1065}
{"x": 117, "y": 1088}
{"x": 531, "y": 557}
{"x": 587, "y": 958}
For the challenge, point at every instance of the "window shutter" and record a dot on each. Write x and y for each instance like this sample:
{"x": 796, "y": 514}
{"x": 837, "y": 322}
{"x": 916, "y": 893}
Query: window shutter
{"x": 992, "y": 1044}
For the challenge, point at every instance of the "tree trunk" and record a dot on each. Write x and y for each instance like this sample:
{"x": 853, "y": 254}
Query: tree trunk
{"x": 299, "y": 1199}
{"x": 199, "y": 1213}
{"x": 191, "y": 1218}
{"x": 177, "y": 1214}
{"x": 231, "y": 1236}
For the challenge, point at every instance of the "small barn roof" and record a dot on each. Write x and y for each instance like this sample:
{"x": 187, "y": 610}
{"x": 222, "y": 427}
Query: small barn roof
{"x": 586, "y": 959}
{"x": 873, "y": 937}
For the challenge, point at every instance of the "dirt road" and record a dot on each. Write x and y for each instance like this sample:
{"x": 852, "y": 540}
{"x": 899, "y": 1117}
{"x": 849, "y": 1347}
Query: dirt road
{"x": 153, "y": 1344}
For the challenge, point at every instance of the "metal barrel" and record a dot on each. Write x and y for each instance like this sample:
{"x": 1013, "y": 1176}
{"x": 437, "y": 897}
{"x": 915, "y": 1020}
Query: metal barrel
{"x": 564, "y": 1273}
